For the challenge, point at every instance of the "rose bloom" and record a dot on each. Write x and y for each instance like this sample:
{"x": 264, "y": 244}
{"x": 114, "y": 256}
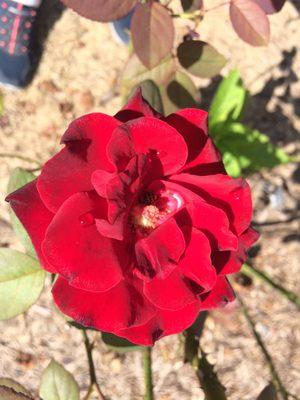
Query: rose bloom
{"x": 139, "y": 220}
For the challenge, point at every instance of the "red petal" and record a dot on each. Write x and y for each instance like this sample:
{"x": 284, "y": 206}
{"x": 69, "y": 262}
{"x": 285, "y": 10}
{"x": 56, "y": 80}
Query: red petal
{"x": 196, "y": 263}
{"x": 172, "y": 293}
{"x": 144, "y": 335}
{"x": 206, "y": 166}
{"x": 221, "y": 294}
{"x": 70, "y": 170}
{"x": 192, "y": 125}
{"x": 230, "y": 262}
{"x": 33, "y": 214}
{"x": 232, "y": 195}
{"x": 136, "y": 107}
{"x": 100, "y": 179}
{"x": 158, "y": 254}
{"x": 77, "y": 250}
{"x": 119, "y": 191}
{"x": 118, "y": 308}
{"x": 212, "y": 220}
{"x": 164, "y": 323}
{"x": 249, "y": 237}
{"x": 144, "y": 135}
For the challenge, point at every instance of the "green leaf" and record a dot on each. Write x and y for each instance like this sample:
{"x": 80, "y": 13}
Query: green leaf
{"x": 248, "y": 148}
{"x": 200, "y": 58}
{"x": 232, "y": 164}
{"x": 58, "y": 384}
{"x": 21, "y": 282}
{"x": 16, "y": 386}
{"x": 135, "y": 73}
{"x": 118, "y": 344}
{"x": 179, "y": 92}
{"x": 229, "y": 101}
{"x": 19, "y": 178}
{"x": 152, "y": 94}
{"x": 7, "y": 393}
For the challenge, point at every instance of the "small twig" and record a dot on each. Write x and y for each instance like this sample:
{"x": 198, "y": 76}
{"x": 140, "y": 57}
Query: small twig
{"x": 252, "y": 271}
{"x": 275, "y": 377}
{"x": 33, "y": 169}
{"x": 148, "y": 374}
{"x": 94, "y": 386}
{"x": 293, "y": 396}
{"x": 23, "y": 158}
{"x": 277, "y": 222}
{"x": 295, "y": 159}
{"x": 225, "y": 3}
{"x": 191, "y": 16}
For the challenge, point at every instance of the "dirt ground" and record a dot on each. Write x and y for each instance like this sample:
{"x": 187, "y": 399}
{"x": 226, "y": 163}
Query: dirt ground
{"x": 79, "y": 67}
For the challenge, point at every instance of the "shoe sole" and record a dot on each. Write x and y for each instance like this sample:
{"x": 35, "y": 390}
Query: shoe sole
{"x": 11, "y": 87}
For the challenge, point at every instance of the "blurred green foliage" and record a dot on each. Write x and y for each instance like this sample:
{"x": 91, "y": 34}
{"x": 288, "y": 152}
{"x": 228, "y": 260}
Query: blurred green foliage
{"x": 243, "y": 148}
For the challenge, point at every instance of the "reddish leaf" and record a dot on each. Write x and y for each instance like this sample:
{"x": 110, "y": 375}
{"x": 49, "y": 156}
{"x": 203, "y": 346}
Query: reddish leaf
{"x": 250, "y": 22}
{"x": 101, "y": 10}
{"x": 270, "y": 6}
{"x": 152, "y": 33}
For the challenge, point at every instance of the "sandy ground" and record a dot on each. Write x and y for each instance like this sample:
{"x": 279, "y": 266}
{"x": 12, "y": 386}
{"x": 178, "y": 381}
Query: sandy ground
{"x": 79, "y": 67}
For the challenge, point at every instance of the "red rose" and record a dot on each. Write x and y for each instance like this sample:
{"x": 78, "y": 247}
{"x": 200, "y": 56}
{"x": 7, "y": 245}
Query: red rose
{"x": 140, "y": 221}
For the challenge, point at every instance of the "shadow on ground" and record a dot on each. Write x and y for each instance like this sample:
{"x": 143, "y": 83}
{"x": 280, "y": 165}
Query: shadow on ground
{"x": 49, "y": 12}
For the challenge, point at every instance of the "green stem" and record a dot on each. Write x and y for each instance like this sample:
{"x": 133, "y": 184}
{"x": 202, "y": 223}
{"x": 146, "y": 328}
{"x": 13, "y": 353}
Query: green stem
{"x": 295, "y": 159}
{"x": 94, "y": 386}
{"x": 253, "y": 272}
{"x": 209, "y": 380}
{"x": 148, "y": 374}
{"x": 275, "y": 377}
{"x": 192, "y": 340}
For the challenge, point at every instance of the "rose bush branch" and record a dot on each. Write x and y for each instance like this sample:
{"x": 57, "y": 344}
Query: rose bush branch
{"x": 274, "y": 374}
{"x": 94, "y": 386}
{"x": 263, "y": 276}
{"x": 225, "y": 3}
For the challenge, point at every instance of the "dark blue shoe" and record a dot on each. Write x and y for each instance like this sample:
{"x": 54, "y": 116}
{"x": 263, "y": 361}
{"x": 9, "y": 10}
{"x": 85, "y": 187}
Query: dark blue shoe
{"x": 121, "y": 28}
{"x": 16, "y": 27}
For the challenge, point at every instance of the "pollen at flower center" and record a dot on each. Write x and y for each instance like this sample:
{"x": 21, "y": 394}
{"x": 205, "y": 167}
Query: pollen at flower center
{"x": 149, "y": 216}
{"x": 146, "y": 216}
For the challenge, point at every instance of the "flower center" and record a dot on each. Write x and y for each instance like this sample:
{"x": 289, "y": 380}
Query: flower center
{"x": 153, "y": 209}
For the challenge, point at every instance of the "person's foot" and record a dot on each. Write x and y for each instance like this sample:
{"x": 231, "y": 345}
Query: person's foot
{"x": 16, "y": 27}
{"x": 121, "y": 29}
